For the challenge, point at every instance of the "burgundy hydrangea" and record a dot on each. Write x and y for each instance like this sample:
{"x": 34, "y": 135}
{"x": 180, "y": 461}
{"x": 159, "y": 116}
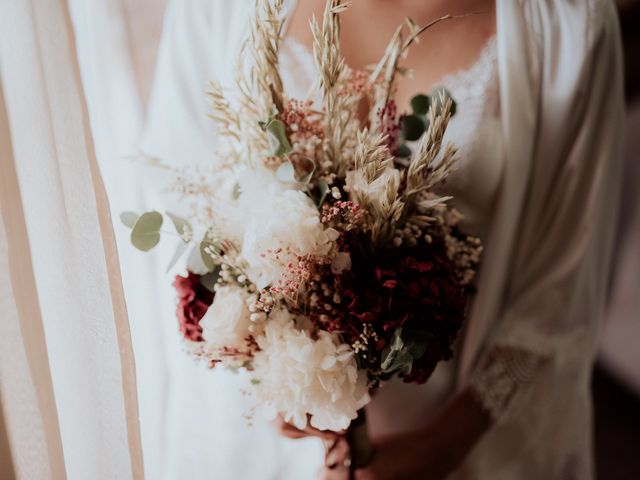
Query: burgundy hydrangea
{"x": 415, "y": 289}
{"x": 193, "y": 301}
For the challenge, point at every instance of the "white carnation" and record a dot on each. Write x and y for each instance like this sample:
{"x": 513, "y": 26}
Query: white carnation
{"x": 226, "y": 323}
{"x": 299, "y": 375}
{"x": 278, "y": 224}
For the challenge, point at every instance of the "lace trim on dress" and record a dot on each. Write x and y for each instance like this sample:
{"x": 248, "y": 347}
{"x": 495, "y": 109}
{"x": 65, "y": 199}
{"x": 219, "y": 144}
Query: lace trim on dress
{"x": 502, "y": 375}
{"x": 476, "y": 86}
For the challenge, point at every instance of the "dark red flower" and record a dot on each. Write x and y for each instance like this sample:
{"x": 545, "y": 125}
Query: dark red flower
{"x": 412, "y": 288}
{"x": 193, "y": 302}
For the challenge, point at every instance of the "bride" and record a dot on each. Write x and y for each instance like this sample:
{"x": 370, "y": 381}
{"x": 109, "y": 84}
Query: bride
{"x": 538, "y": 88}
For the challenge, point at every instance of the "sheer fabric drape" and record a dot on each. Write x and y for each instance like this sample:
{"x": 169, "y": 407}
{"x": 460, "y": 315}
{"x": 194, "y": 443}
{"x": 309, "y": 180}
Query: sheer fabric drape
{"x": 67, "y": 378}
{"x": 105, "y": 55}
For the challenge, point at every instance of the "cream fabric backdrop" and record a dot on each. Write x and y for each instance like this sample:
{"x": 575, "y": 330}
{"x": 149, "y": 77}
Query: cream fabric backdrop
{"x": 105, "y": 46}
{"x": 67, "y": 376}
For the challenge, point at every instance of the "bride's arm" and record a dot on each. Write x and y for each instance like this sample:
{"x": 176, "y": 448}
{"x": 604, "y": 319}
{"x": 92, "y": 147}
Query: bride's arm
{"x": 434, "y": 451}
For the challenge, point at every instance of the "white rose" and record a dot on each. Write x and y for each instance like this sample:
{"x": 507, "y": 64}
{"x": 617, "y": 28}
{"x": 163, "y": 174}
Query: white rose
{"x": 280, "y": 227}
{"x": 272, "y": 224}
{"x": 226, "y": 323}
{"x": 297, "y": 375}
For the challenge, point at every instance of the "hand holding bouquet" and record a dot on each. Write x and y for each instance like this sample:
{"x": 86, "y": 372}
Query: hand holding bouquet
{"x": 323, "y": 260}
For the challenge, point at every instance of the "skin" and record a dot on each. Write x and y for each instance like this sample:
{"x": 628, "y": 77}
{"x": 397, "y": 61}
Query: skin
{"x": 368, "y": 25}
{"x": 433, "y": 452}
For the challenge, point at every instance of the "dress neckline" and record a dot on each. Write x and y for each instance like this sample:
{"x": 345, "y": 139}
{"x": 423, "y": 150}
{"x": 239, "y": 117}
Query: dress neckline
{"x": 465, "y": 76}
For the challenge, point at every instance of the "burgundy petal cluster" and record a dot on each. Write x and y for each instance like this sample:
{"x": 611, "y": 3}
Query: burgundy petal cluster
{"x": 193, "y": 302}
{"x": 415, "y": 289}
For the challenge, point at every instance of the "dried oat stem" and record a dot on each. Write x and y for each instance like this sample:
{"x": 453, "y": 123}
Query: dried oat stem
{"x": 420, "y": 30}
{"x": 227, "y": 120}
{"x": 422, "y": 174}
{"x": 388, "y": 64}
{"x": 331, "y": 65}
{"x": 260, "y": 85}
{"x": 372, "y": 155}
{"x": 266, "y": 35}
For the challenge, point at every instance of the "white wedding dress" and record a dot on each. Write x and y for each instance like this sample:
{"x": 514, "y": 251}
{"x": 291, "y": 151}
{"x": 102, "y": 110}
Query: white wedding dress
{"x": 530, "y": 182}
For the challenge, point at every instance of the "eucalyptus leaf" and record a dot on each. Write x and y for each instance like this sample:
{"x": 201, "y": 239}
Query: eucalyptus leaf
{"x": 146, "y": 232}
{"x": 386, "y": 358}
{"x": 278, "y": 140}
{"x": 180, "y": 249}
{"x": 307, "y": 178}
{"x": 323, "y": 188}
{"x": 210, "y": 279}
{"x": 405, "y": 348}
{"x": 438, "y": 96}
{"x": 397, "y": 360}
{"x": 403, "y": 151}
{"x": 412, "y": 127}
{"x": 396, "y": 341}
{"x": 129, "y": 218}
{"x": 182, "y": 226}
{"x": 420, "y": 104}
{"x": 416, "y": 348}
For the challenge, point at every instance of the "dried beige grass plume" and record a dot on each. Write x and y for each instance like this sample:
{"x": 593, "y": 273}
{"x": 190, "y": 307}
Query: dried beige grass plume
{"x": 338, "y": 105}
{"x": 226, "y": 118}
{"x": 423, "y": 173}
{"x": 372, "y": 155}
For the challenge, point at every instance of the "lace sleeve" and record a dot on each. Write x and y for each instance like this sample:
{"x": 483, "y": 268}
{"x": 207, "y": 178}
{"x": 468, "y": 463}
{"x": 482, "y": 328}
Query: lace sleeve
{"x": 503, "y": 373}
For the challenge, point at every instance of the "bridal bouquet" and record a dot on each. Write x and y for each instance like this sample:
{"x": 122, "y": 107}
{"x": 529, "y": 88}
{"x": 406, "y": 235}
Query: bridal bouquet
{"x": 323, "y": 261}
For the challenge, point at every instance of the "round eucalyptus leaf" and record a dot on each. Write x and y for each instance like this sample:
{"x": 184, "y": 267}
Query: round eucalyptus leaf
{"x": 129, "y": 219}
{"x": 323, "y": 190}
{"x": 403, "y": 151}
{"x": 146, "y": 232}
{"x": 438, "y": 96}
{"x": 309, "y": 168}
{"x": 420, "y": 104}
{"x": 412, "y": 127}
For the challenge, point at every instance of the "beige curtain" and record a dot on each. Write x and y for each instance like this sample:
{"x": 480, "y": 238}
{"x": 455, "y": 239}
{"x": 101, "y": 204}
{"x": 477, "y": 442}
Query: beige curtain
{"x": 67, "y": 377}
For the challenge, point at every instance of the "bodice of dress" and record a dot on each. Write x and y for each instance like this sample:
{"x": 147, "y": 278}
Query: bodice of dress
{"x": 476, "y": 131}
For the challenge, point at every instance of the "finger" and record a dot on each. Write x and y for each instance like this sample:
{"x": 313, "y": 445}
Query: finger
{"x": 290, "y": 431}
{"x": 287, "y": 430}
{"x": 334, "y": 474}
{"x": 323, "y": 434}
{"x": 339, "y": 455}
